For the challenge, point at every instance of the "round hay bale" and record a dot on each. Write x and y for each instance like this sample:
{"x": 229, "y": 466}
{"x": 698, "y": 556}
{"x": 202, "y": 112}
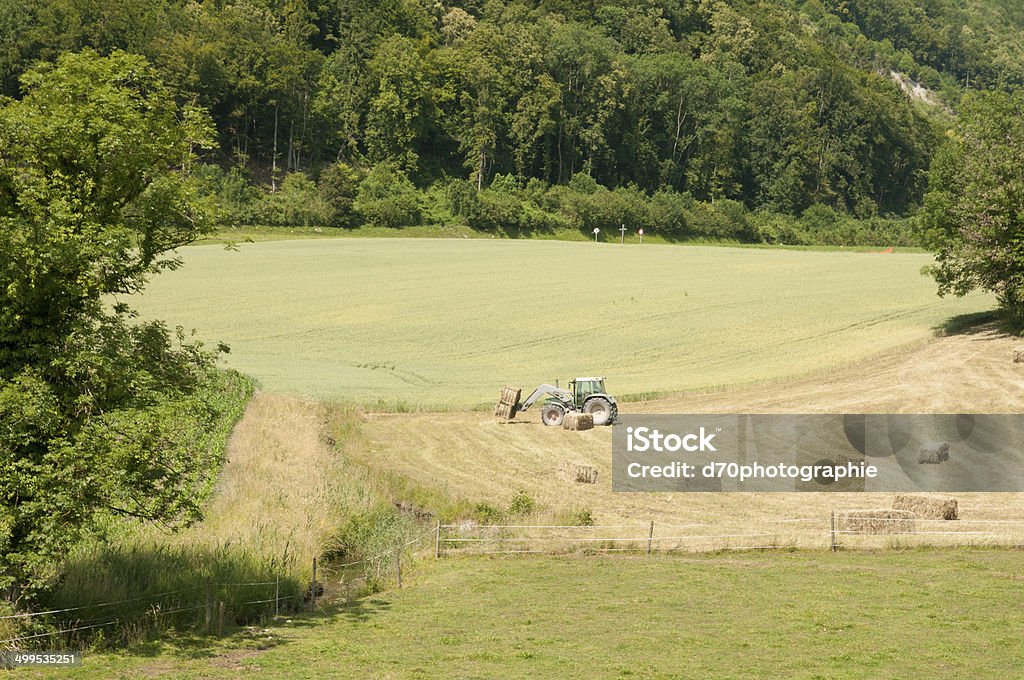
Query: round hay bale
{"x": 927, "y": 507}
{"x": 884, "y": 521}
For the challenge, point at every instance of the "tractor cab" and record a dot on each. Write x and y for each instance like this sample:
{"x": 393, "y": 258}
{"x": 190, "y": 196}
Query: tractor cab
{"x": 582, "y": 388}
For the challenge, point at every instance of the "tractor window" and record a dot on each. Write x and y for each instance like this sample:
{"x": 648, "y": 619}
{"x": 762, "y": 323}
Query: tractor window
{"x": 586, "y": 388}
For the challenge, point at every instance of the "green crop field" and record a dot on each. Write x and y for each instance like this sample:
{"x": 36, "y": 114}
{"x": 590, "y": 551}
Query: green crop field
{"x": 897, "y": 614}
{"x": 446, "y": 323}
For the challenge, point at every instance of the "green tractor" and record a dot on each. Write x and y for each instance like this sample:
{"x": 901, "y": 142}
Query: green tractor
{"x": 586, "y": 395}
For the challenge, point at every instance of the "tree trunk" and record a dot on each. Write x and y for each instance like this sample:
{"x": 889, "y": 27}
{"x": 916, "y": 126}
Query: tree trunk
{"x": 291, "y": 147}
{"x": 273, "y": 162}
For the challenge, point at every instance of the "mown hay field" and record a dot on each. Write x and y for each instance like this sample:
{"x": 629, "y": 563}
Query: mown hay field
{"x": 445, "y": 323}
{"x": 473, "y": 455}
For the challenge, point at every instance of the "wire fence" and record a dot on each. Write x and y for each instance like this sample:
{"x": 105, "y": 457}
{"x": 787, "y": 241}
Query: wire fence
{"x": 213, "y": 603}
{"x": 833, "y": 532}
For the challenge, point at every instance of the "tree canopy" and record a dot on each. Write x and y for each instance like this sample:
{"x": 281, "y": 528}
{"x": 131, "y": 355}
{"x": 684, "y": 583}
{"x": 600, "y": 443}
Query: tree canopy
{"x": 974, "y": 214}
{"x": 98, "y": 413}
{"x": 777, "y": 105}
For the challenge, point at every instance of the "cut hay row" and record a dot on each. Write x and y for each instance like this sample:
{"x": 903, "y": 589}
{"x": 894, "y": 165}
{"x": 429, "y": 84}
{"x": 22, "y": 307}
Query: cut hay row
{"x": 884, "y": 521}
{"x": 926, "y": 507}
{"x": 577, "y": 473}
{"x": 578, "y": 421}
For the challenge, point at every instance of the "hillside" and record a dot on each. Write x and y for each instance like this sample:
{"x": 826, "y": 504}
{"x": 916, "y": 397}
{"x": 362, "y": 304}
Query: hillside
{"x": 778, "y": 106}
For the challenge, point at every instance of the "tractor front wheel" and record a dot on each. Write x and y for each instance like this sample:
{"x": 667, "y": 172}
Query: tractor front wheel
{"x": 602, "y": 410}
{"x": 552, "y": 415}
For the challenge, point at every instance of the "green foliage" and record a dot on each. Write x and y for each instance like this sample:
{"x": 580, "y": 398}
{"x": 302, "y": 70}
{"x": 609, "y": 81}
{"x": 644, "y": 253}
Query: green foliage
{"x": 522, "y": 504}
{"x": 92, "y": 195}
{"x": 723, "y": 219}
{"x": 485, "y": 513}
{"x": 388, "y": 198}
{"x": 228, "y": 197}
{"x": 974, "y": 207}
{"x": 779, "y": 106}
{"x": 488, "y": 209}
{"x": 374, "y": 532}
{"x": 576, "y": 517}
{"x": 822, "y": 225}
{"x": 337, "y": 187}
{"x": 100, "y": 414}
{"x": 297, "y": 203}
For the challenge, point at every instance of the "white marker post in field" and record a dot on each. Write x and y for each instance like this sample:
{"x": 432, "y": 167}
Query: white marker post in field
{"x": 622, "y": 230}
{"x": 596, "y": 232}
{"x": 641, "y": 232}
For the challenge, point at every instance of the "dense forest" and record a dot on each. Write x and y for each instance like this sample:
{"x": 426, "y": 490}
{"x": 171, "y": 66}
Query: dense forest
{"x": 794, "y": 121}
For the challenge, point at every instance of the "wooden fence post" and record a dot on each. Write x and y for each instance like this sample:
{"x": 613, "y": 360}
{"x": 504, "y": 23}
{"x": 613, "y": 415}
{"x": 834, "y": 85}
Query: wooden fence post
{"x": 312, "y": 589}
{"x": 832, "y": 532}
{"x": 207, "y": 605}
{"x": 220, "y": 620}
{"x": 437, "y": 541}
{"x": 398, "y": 566}
{"x": 277, "y": 596}
{"x": 650, "y": 538}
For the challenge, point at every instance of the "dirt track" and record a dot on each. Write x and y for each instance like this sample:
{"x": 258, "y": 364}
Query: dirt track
{"x": 471, "y": 455}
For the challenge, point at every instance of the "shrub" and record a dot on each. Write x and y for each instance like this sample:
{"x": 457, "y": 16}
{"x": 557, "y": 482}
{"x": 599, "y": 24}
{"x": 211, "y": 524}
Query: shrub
{"x": 522, "y": 504}
{"x": 668, "y": 211}
{"x": 575, "y": 517}
{"x": 388, "y": 198}
{"x": 229, "y": 196}
{"x": 297, "y": 202}
{"x": 337, "y": 186}
{"x": 462, "y": 197}
{"x": 485, "y": 513}
{"x": 495, "y": 210}
{"x": 583, "y": 183}
{"x": 724, "y": 219}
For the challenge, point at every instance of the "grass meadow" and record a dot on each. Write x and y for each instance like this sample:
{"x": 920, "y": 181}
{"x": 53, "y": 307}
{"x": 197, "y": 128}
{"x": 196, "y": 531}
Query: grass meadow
{"x": 896, "y": 614}
{"x": 444, "y": 323}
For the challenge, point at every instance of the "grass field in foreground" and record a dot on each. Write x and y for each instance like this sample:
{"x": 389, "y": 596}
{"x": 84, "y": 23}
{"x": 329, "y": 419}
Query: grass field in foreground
{"x": 897, "y": 614}
{"x": 446, "y": 323}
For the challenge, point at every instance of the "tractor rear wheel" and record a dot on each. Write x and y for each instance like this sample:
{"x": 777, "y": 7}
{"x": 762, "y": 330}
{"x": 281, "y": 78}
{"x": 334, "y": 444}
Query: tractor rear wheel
{"x": 552, "y": 415}
{"x": 604, "y": 411}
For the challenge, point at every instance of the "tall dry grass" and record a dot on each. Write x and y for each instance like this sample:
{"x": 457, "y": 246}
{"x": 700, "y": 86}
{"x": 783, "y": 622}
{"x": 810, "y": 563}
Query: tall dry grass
{"x": 286, "y": 494}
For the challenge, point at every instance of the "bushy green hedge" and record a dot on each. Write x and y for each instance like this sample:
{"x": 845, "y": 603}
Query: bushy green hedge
{"x": 344, "y": 196}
